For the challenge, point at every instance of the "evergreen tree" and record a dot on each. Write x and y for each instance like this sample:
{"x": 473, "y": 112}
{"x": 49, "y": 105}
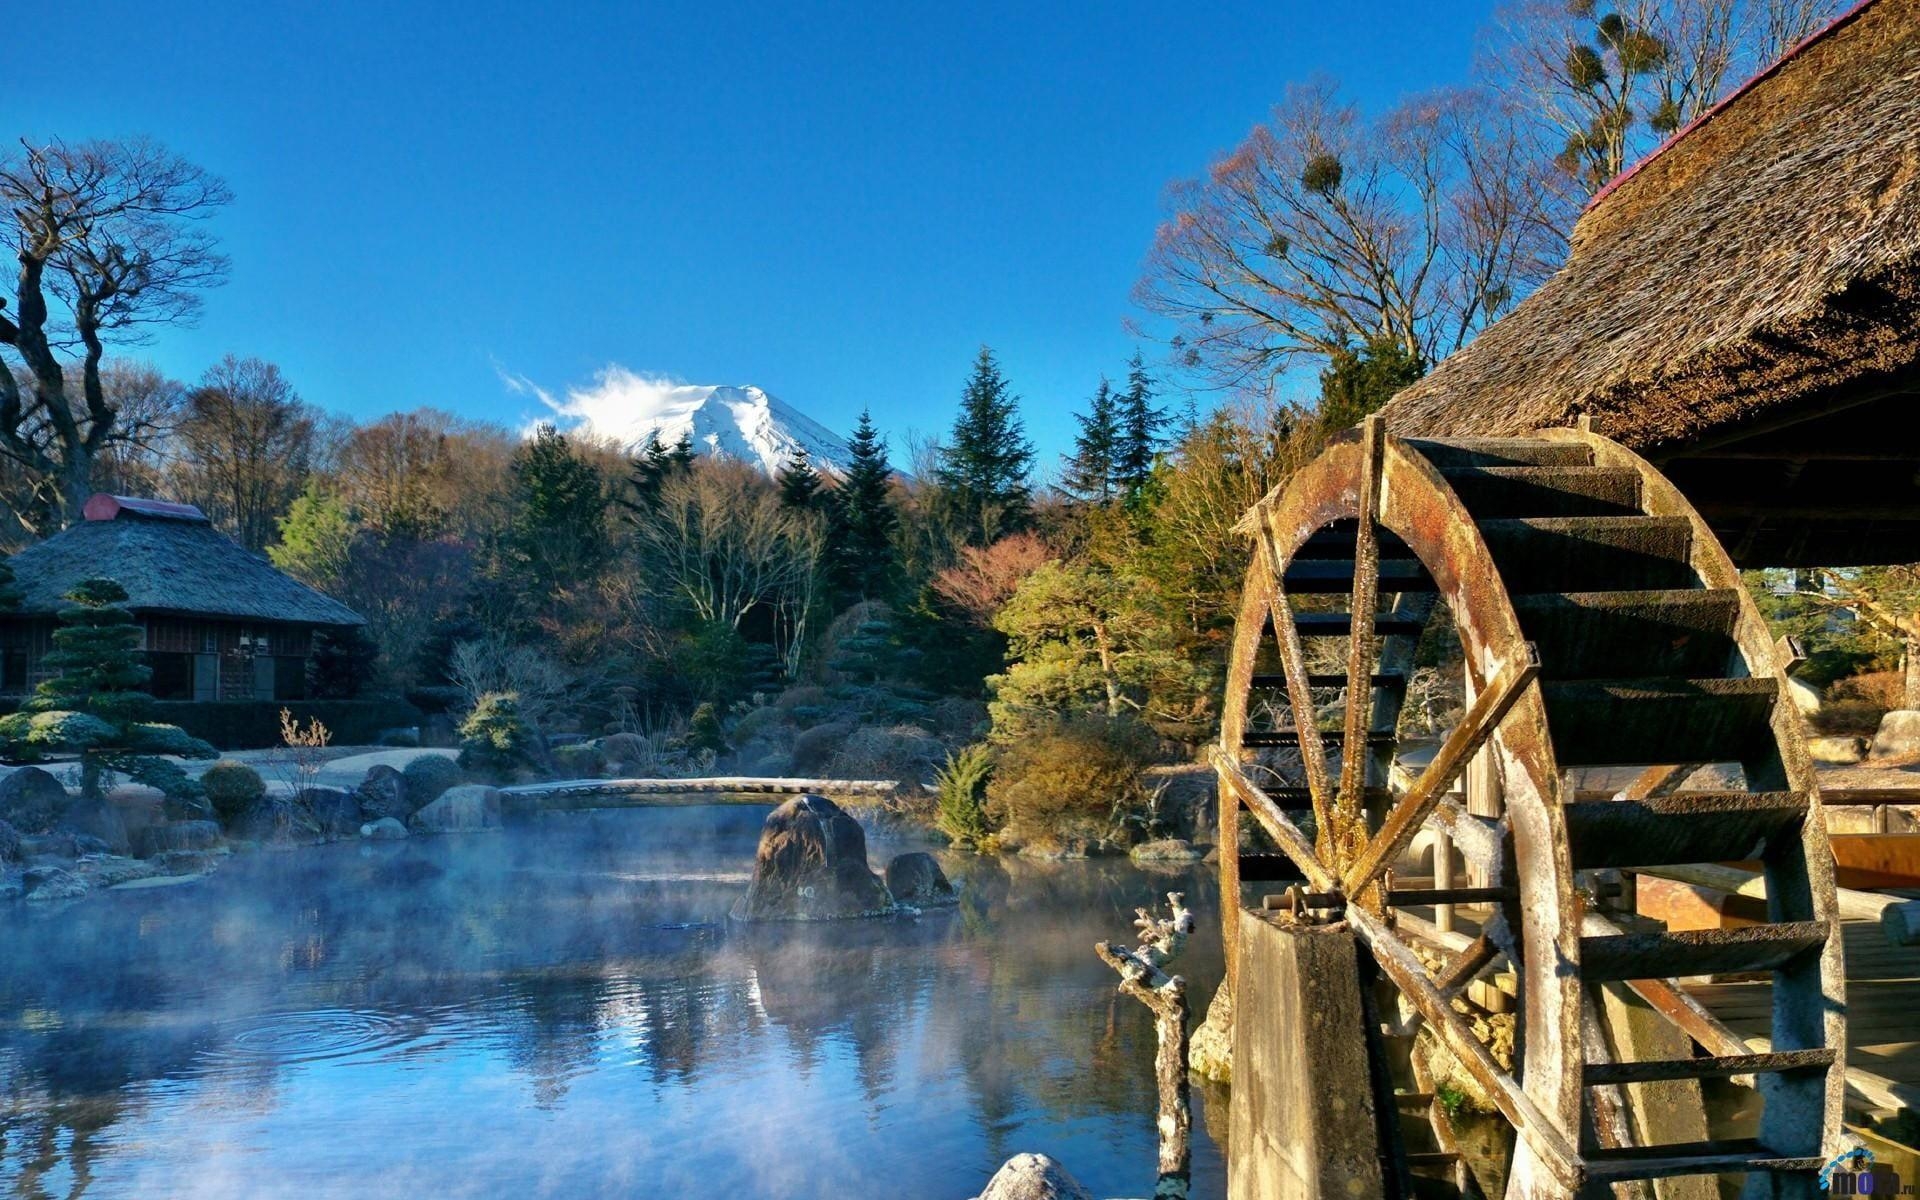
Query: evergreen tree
{"x": 559, "y": 532}
{"x": 9, "y": 593}
{"x": 1090, "y": 468}
{"x": 342, "y": 663}
{"x": 1138, "y": 430}
{"x": 94, "y": 703}
{"x": 1358, "y": 381}
{"x": 865, "y": 562}
{"x": 799, "y": 483}
{"x": 983, "y": 469}
{"x": 646, "y": 470}
{"x": 681, "y": 456}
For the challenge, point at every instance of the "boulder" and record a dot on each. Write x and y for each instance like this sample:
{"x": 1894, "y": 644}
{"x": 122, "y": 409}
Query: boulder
{"x": 1168, "y": 850}
{"x": 916, "y": 878}
{"x": 43, "y": 884}
{"x": 1210, "y": 1050}
{"x": 176, "y": 835}
{"x": 1840, "y": 750}
{"x": 31, "y": 800}
{"x": 1805, "y": 697}
{"x": 336, "y": 812}
{"x": 812, "y": 866}
{"x": 1898, "y": 739}
{"x": 464, "y": 809}
{"x": 9, "y": 843}
{"x": 183, "y": 862}
{"x": 97, "y": 817}
{"x": 279, "y": 820}
{"x": 1033, "y": 1177}
{"x": 383, "y": 793}
{"x": 386, "y": 829}
{"x": 107, "y": 871}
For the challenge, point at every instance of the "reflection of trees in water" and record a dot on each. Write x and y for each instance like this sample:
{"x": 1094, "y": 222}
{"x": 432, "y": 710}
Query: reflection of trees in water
{"x": 560, "y": 949}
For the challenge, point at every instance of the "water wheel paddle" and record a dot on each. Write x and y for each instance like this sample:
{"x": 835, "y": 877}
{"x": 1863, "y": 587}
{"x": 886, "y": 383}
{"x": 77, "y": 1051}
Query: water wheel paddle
{"x": 1601, "y": 626}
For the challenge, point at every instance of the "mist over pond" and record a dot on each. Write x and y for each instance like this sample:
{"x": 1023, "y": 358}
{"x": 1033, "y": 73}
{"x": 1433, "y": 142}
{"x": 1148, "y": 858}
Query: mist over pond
{"x": 565, "y": 1010}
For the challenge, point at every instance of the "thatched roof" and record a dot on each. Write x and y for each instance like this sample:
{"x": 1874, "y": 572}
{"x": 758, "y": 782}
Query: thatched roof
{"x": 171, "y": 560}
{"x": 1765, "y": 261}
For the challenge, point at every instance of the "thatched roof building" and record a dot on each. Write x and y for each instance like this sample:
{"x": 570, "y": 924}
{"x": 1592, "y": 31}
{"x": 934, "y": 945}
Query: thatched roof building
{"x": 219, "y": 621}
{"x": 1744, "y": 308}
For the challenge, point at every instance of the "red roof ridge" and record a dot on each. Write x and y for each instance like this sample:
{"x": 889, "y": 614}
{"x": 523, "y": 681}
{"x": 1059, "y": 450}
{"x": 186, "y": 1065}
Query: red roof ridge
{"x": 102, "y": 506}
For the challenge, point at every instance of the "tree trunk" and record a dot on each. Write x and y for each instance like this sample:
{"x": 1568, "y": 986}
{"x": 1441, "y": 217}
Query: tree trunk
{"x": 1176, "y": 1093}
{"x": 1910, "y": 693}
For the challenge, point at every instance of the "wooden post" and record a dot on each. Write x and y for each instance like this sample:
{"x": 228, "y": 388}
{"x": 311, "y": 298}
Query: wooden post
{"x": 1484, "y": 798}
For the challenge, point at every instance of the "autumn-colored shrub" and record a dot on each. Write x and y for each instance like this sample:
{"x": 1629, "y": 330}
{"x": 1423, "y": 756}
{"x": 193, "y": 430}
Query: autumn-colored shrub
{"x": 1075, "y": 779}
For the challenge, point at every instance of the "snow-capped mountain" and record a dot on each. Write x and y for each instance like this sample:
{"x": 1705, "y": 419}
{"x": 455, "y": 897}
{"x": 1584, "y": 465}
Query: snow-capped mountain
{"x": 743, "y": 423}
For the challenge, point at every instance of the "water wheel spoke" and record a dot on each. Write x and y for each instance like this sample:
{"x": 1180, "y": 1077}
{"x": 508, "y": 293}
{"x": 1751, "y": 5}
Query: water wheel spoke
{"x": 1363, "y": 607}
{"x": 1293, "y": 664}
{"x": 1291, "y": 839}
{"x": 1410, "y": 813}
{"x": 1409, "y": 974}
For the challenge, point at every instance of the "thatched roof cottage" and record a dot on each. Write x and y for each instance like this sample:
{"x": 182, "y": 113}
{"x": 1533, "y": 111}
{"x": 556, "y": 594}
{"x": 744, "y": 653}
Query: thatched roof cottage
{"x": 1743, "y": 308}
{"x": 220, "y": 622}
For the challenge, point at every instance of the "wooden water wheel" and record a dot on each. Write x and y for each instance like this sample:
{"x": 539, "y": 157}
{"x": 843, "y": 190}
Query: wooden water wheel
{"x": 1600, "y": 629}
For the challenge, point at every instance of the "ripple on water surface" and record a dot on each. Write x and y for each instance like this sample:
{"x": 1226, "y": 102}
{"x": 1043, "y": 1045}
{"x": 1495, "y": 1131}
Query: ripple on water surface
{"x": 309, "y": 1036}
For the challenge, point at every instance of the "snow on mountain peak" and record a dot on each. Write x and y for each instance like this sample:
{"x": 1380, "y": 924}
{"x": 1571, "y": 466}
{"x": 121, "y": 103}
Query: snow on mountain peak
{"x": 743, "y": 423}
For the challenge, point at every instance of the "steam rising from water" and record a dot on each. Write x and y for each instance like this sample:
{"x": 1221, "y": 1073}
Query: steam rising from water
{"x": 563, "y": 1010}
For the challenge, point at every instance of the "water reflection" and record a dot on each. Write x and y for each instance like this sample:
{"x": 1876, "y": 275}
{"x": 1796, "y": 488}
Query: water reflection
{"x": 564, "y": 1010}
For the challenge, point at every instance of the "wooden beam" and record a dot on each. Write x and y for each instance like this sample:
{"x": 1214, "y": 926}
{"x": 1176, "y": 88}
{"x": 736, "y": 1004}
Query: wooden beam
{"x": 1291, "y": 840}
{"x": 1483, "y": 717}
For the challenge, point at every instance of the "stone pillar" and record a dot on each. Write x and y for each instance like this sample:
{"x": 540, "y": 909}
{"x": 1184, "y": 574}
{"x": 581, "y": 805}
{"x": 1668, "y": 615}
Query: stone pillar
{"x": 1302, "y": 1124}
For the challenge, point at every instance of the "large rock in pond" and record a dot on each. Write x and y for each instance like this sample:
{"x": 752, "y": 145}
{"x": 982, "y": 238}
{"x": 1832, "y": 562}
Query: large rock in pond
{"x": 812, "y": 866}
{"x": 96, "y": 817}
{"x": 916, "y": 878}
{"x": 176, "y": 835}
{"x": 277, "y": 820}
{"x": 465, "y": 809}
{"x": 336, "y": 812}
{"x": 31, "y": 800}
{"x": 1897, "y": 741}
{"x": 1033, "y": 1177}
{"x": 383, "y": 793}
{"x": 386, "y": 829}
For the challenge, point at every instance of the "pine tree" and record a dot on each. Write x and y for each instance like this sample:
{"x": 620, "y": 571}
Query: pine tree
{"x": 94, "y": 703}
{"x": 865, "y": 562}
{"x": 646, "y": 470}
{"x": 983, "y": 469}
{"x": 1139, "y": 425}
{"x": 559, "y": 532}
{"x": 681, "y": 456}
{"x": 1358, "y": 382}
{"x": 799, "y": 483}
{"x": 1090, "y": 468}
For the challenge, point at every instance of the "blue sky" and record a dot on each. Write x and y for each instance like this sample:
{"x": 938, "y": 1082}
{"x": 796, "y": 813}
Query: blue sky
{"x": 838, "y": 203}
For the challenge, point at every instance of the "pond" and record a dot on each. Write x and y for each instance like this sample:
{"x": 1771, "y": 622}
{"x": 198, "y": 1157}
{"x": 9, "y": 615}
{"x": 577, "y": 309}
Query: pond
{"x": 564, "y": 1010}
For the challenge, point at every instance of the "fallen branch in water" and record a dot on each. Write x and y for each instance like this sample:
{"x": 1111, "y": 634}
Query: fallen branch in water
{"x": 1141, "y": 976}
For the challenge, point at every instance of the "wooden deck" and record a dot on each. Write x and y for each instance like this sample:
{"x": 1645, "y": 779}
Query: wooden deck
{"x": 1883, "y": 1017}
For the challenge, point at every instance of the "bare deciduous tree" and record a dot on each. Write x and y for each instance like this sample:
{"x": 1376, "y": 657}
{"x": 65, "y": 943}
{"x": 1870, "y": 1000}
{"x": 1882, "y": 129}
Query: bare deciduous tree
{"x": 249, "y": 441}
{"x": 722, "y": 542}
{"x": 1605, "y": 85}
{"x": 109, "y": 238}
{"x": 1324, "y": 228}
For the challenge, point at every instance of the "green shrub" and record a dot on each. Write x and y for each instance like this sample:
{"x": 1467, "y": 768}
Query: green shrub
{"x": 426, "y": 777}
{"x": 1077, "y": 777}
{"x": 704, "y": 731}
{"x": 626, "y": 752}
{"x": 232, "y": 787}
{"x": 961, "y": 812}
{"x": 583, "y": 761}
{"x": 494, "y": 741}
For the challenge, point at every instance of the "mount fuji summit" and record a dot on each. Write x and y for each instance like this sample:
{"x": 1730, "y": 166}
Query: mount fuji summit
{"x": 742, "y": 423}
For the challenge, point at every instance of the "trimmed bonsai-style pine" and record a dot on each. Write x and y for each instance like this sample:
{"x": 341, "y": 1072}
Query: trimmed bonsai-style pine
{"x": 95, "y": 704}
